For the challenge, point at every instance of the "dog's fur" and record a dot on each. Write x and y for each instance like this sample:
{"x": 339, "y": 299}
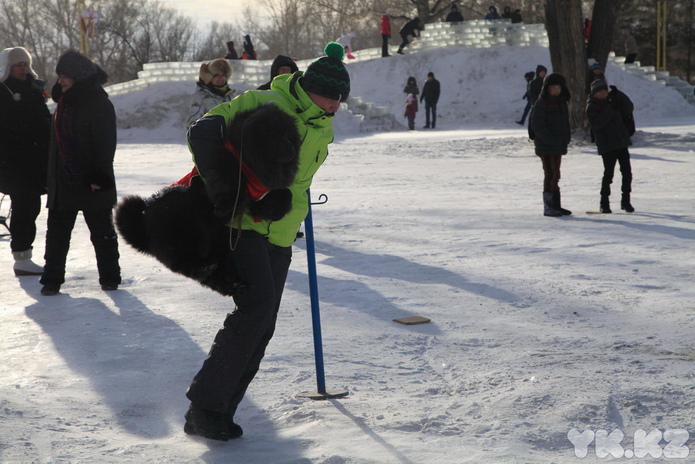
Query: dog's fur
{"x": 184, "y": 227}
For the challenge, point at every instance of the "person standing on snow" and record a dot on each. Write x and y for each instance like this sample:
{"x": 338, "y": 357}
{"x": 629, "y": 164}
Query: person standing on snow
{"x": 411, "y": 87}
{"x": 211, "y": 89}
{"x": 527, "y": 96}
{"x": 25, "y": 127}
{"x": 410, "y": 110}
{"x": 549, "y": 127}
{"x": 385, "y": 35}
{"x": 80, "y": 171}
{"x": 606, "y": 113}
{"x": 262, "y": 248}
{"x": 430, "y": 93}
{"x": 281, "y": 65}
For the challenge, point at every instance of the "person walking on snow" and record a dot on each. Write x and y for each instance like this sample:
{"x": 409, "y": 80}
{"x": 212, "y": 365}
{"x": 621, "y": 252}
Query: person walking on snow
{"x": 262, "y": 248}
{"x": 527, "y": 96}
{"x": 430, "y": 93}
{"x": 25, "y": 127}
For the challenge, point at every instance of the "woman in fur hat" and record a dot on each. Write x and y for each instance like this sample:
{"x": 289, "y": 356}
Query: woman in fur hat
{"x": 25, "y": 126}
{"x": 550, "y": 126}
{"x": 80, "y": 171}
{"x": 211, "y": 89}
{"x": 262, "y": 248}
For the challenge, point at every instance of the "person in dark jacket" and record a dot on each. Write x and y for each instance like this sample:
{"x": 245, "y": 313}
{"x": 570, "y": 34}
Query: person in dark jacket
{"x": 529, "y": 76}
{"x": 231, "y": 51}
{"x": 80, "y": 171}
{"x": 412, "y": 27}
{"x": 551, "y": 128}
{"x": 492, "y": 13}
{"x": 534, "y": 89}
{"x": 249, "y": 51}
{"x": 411, "y": 87}
{"x": 281, "y": 65}
{"x": 25, "y": 126}
{"x": 606, "y": 112}
{"x": 454, "y": 15}
{"x": 430, "y": 93}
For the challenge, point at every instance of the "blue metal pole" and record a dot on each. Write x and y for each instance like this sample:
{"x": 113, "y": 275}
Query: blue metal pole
{"x": 314, "y": 294}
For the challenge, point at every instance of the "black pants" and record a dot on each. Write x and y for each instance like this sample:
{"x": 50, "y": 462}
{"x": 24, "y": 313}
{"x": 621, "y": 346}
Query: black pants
{"x": 551, "y": 171}
{"x": 384, "y": 45}
{"x": 621, "y": 156}
{"x": 405, "y": 42}
{"x": 430, "y": 108}
{"x": 240, "y": 344}
{"x": 25, "y": 210}
{"x": 102, "y": 235}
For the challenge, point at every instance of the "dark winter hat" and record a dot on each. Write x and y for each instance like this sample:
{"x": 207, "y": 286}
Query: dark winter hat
{"x": 75, "y": 66}
{"x": 327, "y": 76}
{"x": 541, "y": 68}
{"x": 595, "y": 65}
{"x": 430, "y": 74}
{"x": 554, "y": 79}
{"x": 597, "y": 86}
{"x": 530, "y": 75}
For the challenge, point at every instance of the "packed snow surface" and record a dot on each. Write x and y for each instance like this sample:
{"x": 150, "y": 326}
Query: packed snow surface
{"x": 539, "y": 326}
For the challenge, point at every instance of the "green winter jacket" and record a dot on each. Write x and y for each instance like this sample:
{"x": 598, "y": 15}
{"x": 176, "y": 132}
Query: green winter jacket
{"x": 316, "y": 132}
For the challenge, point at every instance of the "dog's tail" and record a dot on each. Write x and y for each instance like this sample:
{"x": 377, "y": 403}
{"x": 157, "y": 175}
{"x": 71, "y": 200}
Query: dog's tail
{"x": 130, "y": 221}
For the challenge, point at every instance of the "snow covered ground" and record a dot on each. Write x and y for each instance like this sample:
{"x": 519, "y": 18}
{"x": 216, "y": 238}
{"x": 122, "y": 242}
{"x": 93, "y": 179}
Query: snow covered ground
{"x": 539, "y": 325}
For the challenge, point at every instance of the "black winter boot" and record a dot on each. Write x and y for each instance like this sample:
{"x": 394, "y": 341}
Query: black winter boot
{"x": 548, "y": 205}
{"x": 605, "y": 204}
{"x": 209, "y": 424}
{"x": 557, "y": 204}
{"x": 625, "y": 203}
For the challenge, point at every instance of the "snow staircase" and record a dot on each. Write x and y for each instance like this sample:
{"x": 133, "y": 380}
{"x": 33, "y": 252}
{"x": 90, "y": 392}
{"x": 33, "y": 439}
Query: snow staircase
{"x": 658, "y": 77}
{"x": 372, "y": 118}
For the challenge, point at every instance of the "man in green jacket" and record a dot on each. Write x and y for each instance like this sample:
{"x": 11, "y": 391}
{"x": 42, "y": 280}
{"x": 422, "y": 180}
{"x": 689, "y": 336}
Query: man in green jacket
{"x": 261, "y": 248}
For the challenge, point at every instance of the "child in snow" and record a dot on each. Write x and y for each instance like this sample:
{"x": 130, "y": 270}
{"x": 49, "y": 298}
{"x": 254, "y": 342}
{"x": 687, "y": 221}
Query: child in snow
{"x": 346, "y": 41}
{"x": 410, "y": 110}
{"x": 610, "y": 116}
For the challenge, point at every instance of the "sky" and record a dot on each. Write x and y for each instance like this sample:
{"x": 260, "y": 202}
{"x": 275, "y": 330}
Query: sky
{"x": 209, "y": 10}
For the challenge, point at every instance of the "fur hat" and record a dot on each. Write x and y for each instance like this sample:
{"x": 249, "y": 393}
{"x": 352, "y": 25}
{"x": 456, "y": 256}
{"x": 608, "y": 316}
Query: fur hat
{"x": 12, "y": 56}
{"x": 327, "y": 76}
{"x": 216, "y": 66}
{"x": 554, "y": 79}
{"x": 76, "y": 66}
{"x": 597, "y": 86}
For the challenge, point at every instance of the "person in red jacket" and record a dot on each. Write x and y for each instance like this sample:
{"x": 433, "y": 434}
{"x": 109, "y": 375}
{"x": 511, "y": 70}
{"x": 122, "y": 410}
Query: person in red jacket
{"x": 385, "y": 35}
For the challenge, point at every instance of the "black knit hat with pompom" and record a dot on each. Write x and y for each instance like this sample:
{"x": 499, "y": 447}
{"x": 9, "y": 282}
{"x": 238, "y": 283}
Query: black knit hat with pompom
{"x": 327, "y": 76}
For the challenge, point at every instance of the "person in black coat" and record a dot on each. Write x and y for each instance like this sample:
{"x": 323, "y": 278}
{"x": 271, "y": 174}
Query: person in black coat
{"x": 430, "y": 93}
{"x": 607, "y": 113}
{"x": 25, "y": 126}
{"x": 281, "y": 65}
{"x": 412, "y": 27}
{"x": 550, "y": 130}
{"x": 454, "y": 15}
{"x": 534, "y": 89}
{"x": 80, "y": 171}
{"x": 529, "y": 76}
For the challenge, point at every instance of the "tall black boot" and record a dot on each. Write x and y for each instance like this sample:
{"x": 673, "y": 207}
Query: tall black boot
{"x": 557, "y": 204}
{"x": 605, "y": 204}
{"x": 625, "y": 203}
{"x": 548, "y": 206}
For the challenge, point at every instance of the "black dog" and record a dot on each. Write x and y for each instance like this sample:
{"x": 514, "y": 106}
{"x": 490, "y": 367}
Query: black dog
{"x": 185, "y": 226}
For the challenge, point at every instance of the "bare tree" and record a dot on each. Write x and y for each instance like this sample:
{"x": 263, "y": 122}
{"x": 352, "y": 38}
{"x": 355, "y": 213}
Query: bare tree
{"x": 567, "y": 53}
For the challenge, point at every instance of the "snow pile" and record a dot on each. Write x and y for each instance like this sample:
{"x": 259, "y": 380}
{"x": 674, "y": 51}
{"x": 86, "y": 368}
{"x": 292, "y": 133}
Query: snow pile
{"x": 539, "y": 325}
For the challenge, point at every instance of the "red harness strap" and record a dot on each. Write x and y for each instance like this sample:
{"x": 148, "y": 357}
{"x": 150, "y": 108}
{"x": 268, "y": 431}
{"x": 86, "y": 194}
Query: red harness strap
{"x": 254, "y": 186}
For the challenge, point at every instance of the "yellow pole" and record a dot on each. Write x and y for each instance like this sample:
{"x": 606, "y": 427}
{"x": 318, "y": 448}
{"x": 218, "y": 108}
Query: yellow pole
{"x": 663, "y": 41}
